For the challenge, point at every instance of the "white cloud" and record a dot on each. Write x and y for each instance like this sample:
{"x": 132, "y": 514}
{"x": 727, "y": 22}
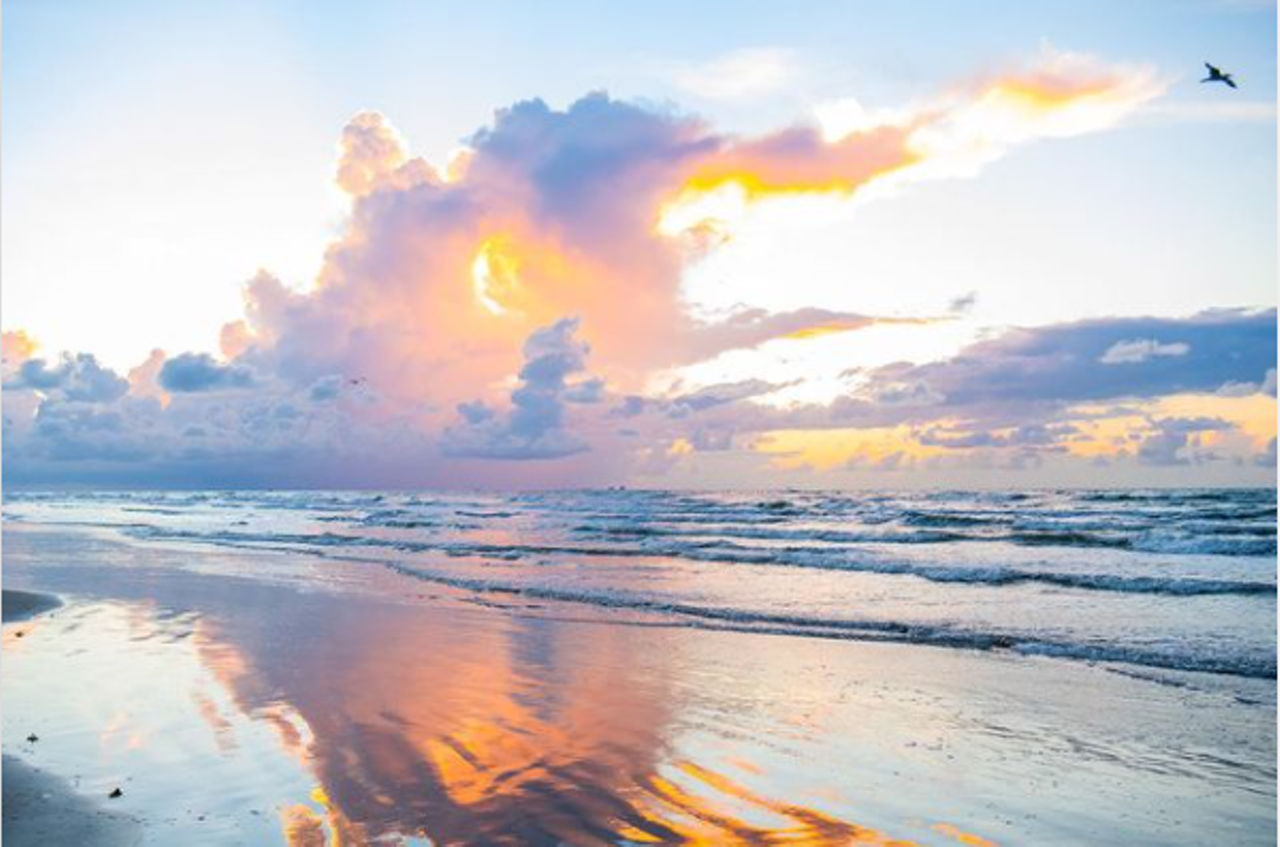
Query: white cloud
{"x": 1138, "y": 350}
{"x": 749, "y": 72}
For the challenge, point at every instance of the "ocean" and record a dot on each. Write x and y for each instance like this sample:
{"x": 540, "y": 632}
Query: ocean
{"x": 1147, "y": 581}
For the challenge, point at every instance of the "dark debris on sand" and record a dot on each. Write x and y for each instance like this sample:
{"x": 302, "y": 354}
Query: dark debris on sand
{"x": 42, "y": 810}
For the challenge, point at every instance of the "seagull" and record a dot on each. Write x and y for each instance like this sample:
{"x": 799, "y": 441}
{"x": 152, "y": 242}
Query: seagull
{"x": 1216, "y": 75}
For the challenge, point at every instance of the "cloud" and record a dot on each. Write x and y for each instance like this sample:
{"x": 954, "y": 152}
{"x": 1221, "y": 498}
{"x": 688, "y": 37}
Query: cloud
{"x": 1059, "y": 95}
{"x": 749, "y": 72}
{"x": 78, "y": 378}
{"x": 1037, "y": 392}
{"x": 267, "y": 436}
{"x": 1139, "y": 350}
{"x": 964, "y": 304}
{"x": 144, "y": 380}
{"x": 902, "y": 393}
{"x": 586, "y": 391}
{"x": 192, "y": 372}
{"x": 373, "y": 156}
{"x": 749, "y": 328}
{"x": 561, "y": 212}
{"x": 71, "y": 431}
{"x": 534, "y": 428}
{"x": 719, "y": 395}
{"x": 1236, "y": 388}
{"x": 17, "y": 348}
{"x": 395, "y": 364}
{"x": 1029, "y": 435}
{"x": 326, "y": 388}
{"x": 1175, "y": 440}
{"x": 1267, "y": 458}
{"x": 1216, "y": 111}
{"x": 1074, "y": 362}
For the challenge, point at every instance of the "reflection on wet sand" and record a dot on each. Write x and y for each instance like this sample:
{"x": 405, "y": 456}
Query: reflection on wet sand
{"x": 249, "y": 698}
{"x": 471, "y": 727}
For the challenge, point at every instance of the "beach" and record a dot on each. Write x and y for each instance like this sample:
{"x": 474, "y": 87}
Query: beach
{"x": 822, "y": 424}
{"x": 40, "y": 808}
{"x": 246, "y": 686}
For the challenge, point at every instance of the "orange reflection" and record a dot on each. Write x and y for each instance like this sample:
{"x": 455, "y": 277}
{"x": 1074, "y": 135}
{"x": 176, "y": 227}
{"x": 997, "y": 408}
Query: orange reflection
{"x": 467, "y": 726}
{"x": 962, "y": 836}
{"x": 303, "y": 827}
{"x": 15, "y": 633}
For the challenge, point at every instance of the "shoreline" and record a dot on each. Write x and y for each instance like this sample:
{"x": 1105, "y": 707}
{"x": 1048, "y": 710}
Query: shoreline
{"x": 24, "y": 605}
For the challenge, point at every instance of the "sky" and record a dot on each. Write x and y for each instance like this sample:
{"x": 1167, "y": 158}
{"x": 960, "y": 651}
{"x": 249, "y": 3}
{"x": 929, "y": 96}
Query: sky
{"x": 539, "y": 245}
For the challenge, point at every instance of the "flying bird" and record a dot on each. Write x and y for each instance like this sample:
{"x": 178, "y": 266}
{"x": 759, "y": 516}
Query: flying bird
{"x": 1215, "y": 75}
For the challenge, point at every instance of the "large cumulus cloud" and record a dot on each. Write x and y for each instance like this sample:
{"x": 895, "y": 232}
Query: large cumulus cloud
{"x": 551, "y": 213}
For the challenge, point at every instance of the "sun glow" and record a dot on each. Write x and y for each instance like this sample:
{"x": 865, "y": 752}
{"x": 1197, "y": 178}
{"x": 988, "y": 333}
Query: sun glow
{"x": 822, "y": 450}
{"x": 494, "y": 275}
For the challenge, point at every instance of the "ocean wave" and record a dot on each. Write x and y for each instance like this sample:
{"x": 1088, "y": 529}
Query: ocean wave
{"x": 728, "y": 553}
{"x": 1216, "y": 545}
{"x": 993, "y": 576}
{"x": 877, "y": 630}
{"x": 1030, "y": 534}
{"x": 833, "y": 536}
{"x": 913, "y": 517}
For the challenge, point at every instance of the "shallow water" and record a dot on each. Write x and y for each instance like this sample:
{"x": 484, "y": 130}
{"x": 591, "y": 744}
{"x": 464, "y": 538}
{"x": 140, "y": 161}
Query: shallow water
{"x": 299, "y": 685}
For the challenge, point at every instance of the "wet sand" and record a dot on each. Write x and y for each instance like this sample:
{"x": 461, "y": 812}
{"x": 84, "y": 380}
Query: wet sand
{"x": 38, "y": 807}
{"x": 311, "y": 702}
{"x": 42, "y": 810}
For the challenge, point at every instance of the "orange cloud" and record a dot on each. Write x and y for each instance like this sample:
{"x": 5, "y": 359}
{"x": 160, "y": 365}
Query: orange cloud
{"x": 1063, "y": 94}
{"x": 18, "y": 347}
